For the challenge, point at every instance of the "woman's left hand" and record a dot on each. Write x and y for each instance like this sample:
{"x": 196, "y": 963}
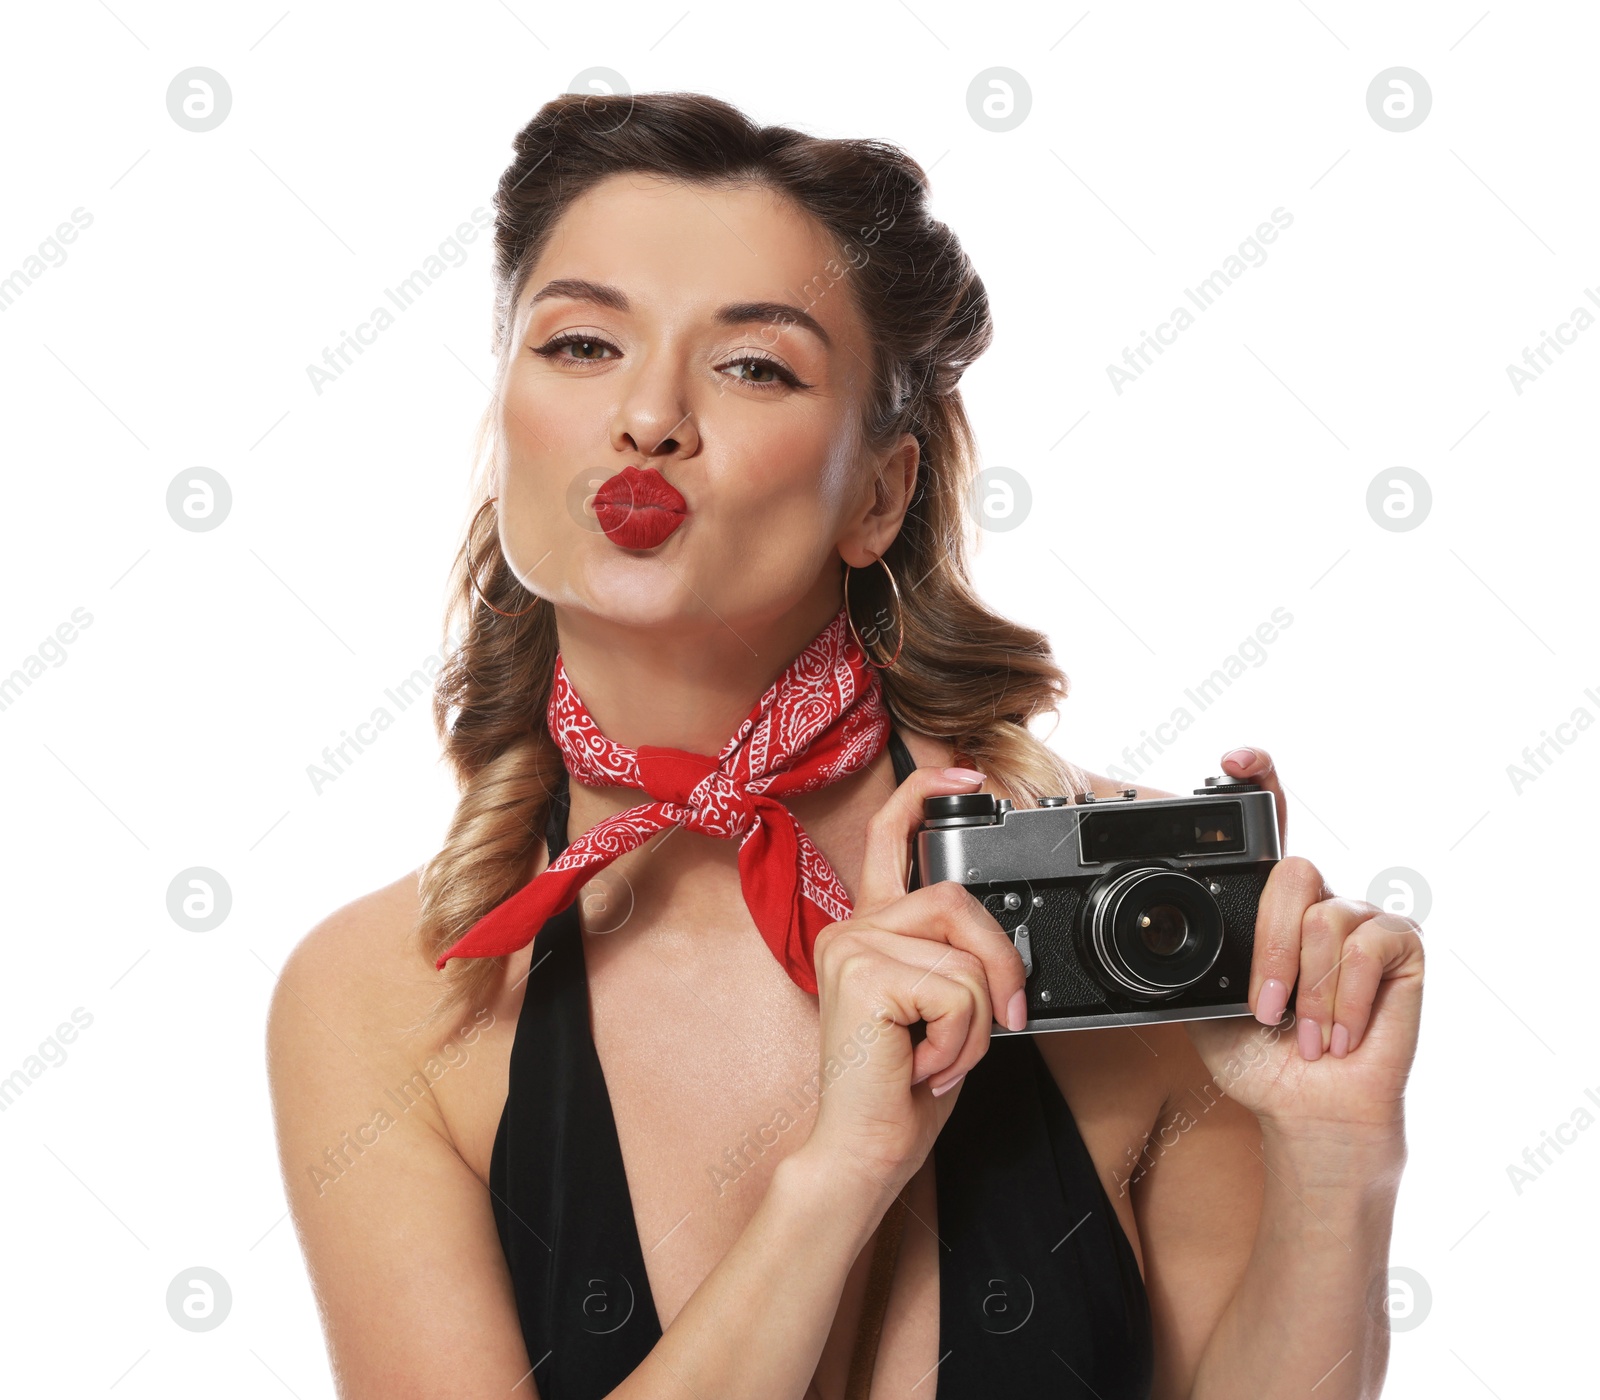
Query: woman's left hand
{"x": 1340, "y": 1073}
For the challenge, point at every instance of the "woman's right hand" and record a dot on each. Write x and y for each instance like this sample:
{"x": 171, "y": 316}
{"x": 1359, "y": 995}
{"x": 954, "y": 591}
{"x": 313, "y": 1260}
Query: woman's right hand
{"x": 934, "y": 955}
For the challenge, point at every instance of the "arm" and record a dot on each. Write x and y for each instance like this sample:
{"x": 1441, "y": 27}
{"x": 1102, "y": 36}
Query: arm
{"x": 1268, "y": 1289}
{"x": 399, "y": 1239}
{"x": 1282, "y": 1288}
{"x": 757, "y": 1324}
{"x": 1305, "y": 1313}
{"x": 408, "y": 1269}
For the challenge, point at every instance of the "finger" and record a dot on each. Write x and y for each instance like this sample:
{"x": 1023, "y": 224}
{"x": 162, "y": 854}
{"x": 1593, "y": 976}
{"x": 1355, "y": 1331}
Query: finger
{"x": 1293, "y": 885}
{"x": 932, "y": 955}
{"x": 1374, "y": 949}
{"x": 1325, "y": 932}
{"x": 887, "y": 860}
{"x": 951, "y": 1012}
{"x": 947, "y": 1005}
{"x": 974, "y": 1043}
{"x": 1257, "y": 765}
{"x": 948, "y": 912}
{"x": 955, "y": 964}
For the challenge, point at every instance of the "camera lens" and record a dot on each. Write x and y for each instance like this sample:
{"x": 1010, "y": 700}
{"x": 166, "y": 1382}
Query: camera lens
{"x": 1151, "y": 932}
{"x": 1163, "y": 927}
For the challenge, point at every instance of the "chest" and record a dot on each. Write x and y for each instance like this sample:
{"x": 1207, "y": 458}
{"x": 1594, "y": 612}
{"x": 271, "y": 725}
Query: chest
{"x": 710, "y": 1055}
{"x": 710, "y": 1059}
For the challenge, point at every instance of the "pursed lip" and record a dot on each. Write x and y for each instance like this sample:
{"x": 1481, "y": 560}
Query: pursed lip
{"x": 638, "y": 509}
{"x": 633, "y": 487}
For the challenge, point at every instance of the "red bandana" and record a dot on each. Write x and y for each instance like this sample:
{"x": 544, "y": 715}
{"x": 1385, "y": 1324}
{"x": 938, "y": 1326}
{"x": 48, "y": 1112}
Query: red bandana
{"x": 821, "y": 720}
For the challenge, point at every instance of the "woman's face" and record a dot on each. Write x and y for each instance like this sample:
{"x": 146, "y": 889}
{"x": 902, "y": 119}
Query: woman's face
{"x": 653, "y": 333}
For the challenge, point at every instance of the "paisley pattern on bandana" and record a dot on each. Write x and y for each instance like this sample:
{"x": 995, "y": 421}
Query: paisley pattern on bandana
{"x": 821, "y": 720}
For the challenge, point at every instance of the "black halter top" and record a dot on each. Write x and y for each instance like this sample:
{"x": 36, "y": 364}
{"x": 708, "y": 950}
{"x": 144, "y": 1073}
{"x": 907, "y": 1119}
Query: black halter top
{"x": 1039, "y": 1290}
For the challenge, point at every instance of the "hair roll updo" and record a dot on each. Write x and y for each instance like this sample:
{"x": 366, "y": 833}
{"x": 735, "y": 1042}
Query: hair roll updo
{"x": 964, "y": 673}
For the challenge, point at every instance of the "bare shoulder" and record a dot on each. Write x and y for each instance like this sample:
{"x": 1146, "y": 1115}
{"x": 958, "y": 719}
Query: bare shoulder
{"x": 357, "y": 979}
{"x": 371, "y": 924}
{"x": 397, "y": 1230}
{"x": 373, "y": 928}
{"x": 359, "y": 990}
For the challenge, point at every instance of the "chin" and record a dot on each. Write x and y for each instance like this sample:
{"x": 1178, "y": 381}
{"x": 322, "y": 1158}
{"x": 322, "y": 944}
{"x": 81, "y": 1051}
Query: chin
{"x": 638, "y": 588}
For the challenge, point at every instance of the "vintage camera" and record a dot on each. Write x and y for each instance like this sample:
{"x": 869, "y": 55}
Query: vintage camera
{"x": 1124, "y": 911}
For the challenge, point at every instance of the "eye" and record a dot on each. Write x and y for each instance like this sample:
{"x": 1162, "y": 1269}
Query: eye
{"x": 762, "y": 364}
{"x": 551, "y": 349}
{"x": 765, "y": 372}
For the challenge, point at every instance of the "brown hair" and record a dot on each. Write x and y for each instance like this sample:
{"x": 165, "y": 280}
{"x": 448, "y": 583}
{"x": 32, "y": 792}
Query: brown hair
{"x": 964, "y": 674}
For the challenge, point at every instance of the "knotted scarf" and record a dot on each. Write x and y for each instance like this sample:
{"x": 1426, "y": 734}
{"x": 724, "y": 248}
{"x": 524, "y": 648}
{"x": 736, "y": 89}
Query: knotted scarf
{"x": 821, "y": 720}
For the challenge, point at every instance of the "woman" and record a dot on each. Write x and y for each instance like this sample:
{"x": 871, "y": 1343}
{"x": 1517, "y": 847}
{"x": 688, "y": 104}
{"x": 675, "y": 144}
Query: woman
{"x": 690, "y": 770}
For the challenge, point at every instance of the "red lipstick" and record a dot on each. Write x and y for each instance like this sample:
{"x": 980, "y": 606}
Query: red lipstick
{"x": 638, "y": 509}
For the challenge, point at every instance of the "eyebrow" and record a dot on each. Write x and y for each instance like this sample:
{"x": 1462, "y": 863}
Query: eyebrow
{"x": 737, "y": 313}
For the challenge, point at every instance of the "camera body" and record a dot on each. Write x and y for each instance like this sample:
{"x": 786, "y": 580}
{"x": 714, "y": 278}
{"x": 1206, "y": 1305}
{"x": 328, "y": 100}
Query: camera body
{"x": 1125, "y": 911}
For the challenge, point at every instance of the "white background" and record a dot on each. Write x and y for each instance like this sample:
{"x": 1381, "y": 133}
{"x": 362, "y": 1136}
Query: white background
{"x": 1167, "y": 522}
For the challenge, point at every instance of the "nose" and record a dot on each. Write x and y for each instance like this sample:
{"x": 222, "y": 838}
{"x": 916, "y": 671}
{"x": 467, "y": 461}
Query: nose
{"x": 668, "y": 444}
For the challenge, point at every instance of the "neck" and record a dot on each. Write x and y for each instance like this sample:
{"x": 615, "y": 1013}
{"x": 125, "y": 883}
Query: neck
{"x": 686, "y": 688}
{"x": 691, "y": 691}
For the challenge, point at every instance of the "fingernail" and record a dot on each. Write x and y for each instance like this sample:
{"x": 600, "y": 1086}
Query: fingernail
{"x": 1017, "y": 1010}
{"x": 1269, "y": 1005}
{"x": 963, "y": 775}
{"x": 1243, "y": 757}
{"x": 945, "y": 1088}
{"x": 1310, "y": 1039}
{"x": 1339, "y": 1041}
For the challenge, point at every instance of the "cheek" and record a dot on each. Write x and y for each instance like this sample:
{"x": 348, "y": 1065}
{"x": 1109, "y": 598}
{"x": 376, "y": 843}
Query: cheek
{"x": 781, "y": 524}
{"x": 546, "y": 428}
{"x": 550, "y": 440}
{"x": 557, "y": 453}
{"x": 839, "y": 477}
{"x": 787, "y": 486}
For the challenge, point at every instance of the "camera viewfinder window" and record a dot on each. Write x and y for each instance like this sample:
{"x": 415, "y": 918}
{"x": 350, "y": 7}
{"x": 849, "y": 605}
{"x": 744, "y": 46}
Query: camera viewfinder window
{"x": 1217, "y": 829}
{"x": 1128, "y": 833}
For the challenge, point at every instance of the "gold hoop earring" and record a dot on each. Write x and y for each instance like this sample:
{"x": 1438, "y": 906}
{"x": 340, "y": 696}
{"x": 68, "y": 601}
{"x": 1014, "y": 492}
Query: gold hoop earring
{"x": 472, "y": 573}
{"x": 899, "y": 618}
